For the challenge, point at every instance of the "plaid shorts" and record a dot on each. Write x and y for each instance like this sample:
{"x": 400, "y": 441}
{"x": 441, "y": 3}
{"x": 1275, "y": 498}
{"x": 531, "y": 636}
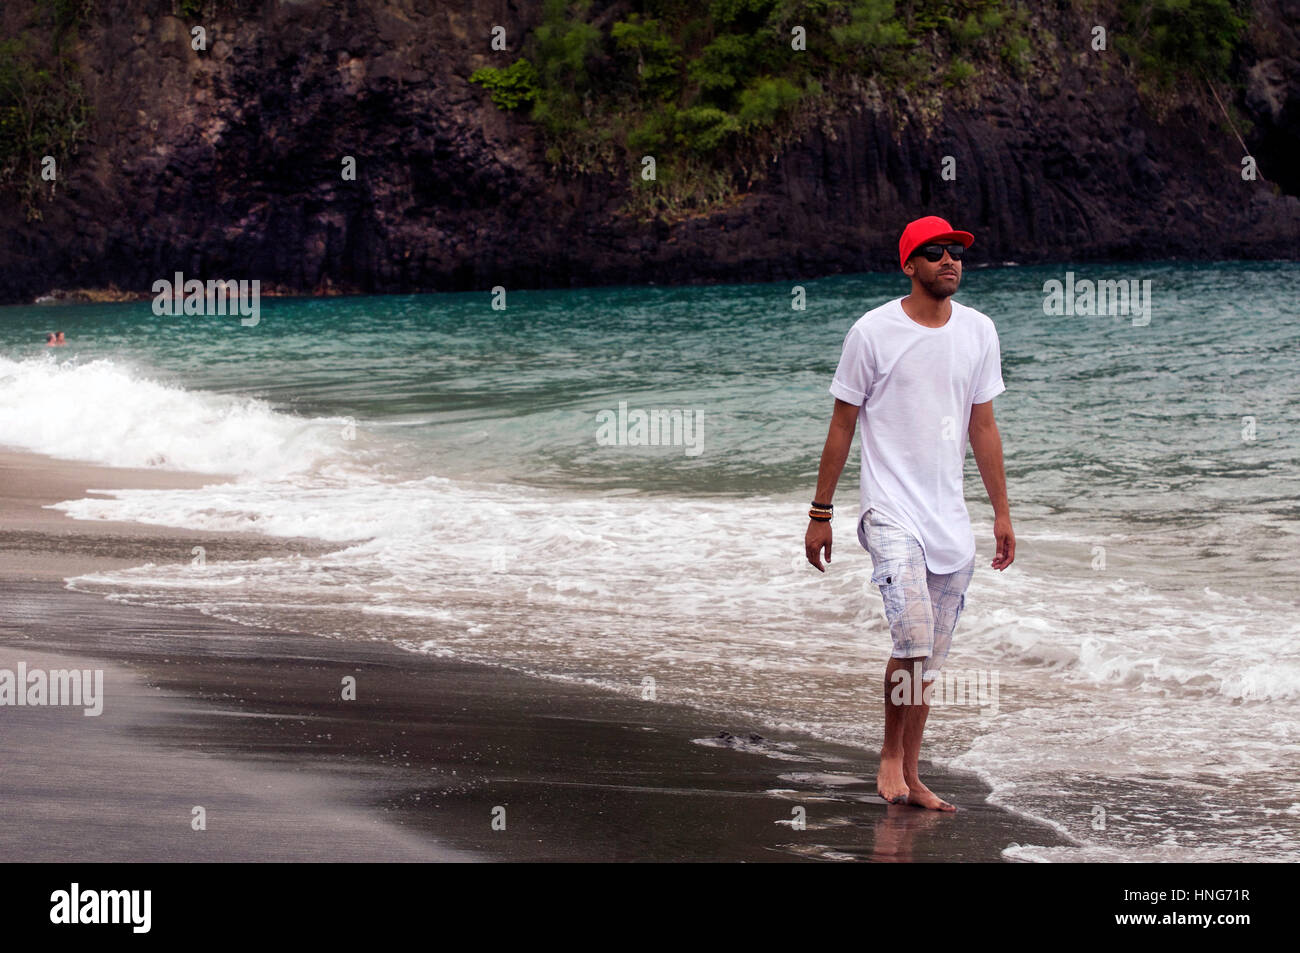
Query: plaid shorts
{"x": 922, "y": 607}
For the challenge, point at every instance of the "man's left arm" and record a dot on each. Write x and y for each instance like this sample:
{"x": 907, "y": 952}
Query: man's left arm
{"x": 986, "y": 442}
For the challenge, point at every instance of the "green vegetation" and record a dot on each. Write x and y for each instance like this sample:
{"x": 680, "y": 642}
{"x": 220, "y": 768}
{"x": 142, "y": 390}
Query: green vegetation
{"x": 959, "y": 71}
{"x": 712, "y": 88}
{"x": 510, "y": 88}
{"x": 1168, "y": 39}
{"x": 43, "y": 109}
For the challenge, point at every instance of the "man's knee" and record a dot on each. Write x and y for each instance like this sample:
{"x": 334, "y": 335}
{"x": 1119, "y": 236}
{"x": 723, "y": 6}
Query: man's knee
{"x": 905, "y": 677}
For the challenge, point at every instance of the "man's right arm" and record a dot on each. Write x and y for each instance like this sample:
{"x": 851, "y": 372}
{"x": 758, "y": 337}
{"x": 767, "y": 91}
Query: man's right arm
{"x": 839, "y": 440}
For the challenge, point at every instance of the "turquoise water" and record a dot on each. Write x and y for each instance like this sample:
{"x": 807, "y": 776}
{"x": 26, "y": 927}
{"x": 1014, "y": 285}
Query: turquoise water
{"x": 1146, "y": 635}
{"x": 1131, "y": 411}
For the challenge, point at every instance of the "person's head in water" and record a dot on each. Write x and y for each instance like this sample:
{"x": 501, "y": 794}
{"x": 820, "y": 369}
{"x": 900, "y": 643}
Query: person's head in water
{"x": 59, "y": 338}
{"x": 930, "y": 253}
{"x": 49, "y": 339}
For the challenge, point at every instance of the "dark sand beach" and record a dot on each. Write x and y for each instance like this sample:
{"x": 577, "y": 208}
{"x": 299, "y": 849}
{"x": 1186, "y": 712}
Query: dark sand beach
{"x": 250, "y": 725}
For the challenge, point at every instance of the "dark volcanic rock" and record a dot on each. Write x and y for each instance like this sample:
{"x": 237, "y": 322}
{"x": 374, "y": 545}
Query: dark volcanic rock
{"x": 226, "y": 163}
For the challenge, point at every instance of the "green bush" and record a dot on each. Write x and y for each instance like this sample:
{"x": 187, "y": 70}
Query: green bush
{"x": 1014, "y": 54}
{"x": 654, "y": 134}
{"x": 975, "y": 29}
{"x": 658, "y": 57}
{"x": 1167, "y": 38}
{"x": 43, "y": 112}
{"x": 703, "y": 129}
{"x": 564, "y": 46}
{"x": 959, "y": 71}
{"x": 765, "y": 101}
{"x": 510, "y": 88}
{"x": 873, "y": 36}
{"x": 724, "y": 64}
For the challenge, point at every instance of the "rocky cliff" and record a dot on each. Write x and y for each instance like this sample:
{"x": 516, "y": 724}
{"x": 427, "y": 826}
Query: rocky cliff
{"x": 226, "y": 162}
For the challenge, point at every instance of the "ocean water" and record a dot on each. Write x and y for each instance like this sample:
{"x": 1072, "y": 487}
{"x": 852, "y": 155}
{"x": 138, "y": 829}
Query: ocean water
{"x": 1145, "y": 644}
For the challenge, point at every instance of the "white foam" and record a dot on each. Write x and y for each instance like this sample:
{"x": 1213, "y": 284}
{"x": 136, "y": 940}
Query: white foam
{"x": 102, "y": 412}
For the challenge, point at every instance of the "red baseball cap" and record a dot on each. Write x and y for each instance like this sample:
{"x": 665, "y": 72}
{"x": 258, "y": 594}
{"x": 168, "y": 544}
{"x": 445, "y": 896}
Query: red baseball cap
{"x": 928, "y": 229}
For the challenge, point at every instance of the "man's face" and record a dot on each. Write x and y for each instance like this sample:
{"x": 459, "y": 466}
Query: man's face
{"x": 939, "y": 278}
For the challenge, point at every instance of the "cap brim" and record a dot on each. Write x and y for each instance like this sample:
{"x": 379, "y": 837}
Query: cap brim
{"x": 966, "y": 238}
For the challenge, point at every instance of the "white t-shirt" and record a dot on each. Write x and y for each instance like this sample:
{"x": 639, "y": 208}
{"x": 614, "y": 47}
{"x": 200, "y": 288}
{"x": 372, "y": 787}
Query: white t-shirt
{"x": 915, "y": 386}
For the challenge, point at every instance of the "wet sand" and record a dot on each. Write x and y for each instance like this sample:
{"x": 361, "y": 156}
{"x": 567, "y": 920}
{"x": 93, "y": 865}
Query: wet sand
{"x": 434, "y": 759}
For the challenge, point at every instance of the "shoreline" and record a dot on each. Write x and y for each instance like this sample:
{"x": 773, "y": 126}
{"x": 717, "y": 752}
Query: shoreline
{"x": 417, "y": 767}
{"x": 40, "y": 543}
{"x": 114, "y": 295}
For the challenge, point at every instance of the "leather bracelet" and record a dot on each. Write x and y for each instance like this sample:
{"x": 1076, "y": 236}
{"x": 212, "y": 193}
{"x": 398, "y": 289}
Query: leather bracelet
{"x": 819, "y": 516}
{"x": 822, "y": 506}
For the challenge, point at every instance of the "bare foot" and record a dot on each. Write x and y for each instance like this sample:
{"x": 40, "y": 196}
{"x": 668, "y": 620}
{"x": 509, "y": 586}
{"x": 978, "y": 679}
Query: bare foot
{"x": 921, "y": 796}
{"x": 889, "y": 781}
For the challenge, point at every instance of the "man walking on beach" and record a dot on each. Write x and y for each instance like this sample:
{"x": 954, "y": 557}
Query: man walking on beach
{"x": 921, "y": 373}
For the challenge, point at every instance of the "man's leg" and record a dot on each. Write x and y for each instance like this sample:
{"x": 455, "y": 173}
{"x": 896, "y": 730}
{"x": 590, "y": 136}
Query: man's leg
{"x": 918, "y": 794}
{"x": 947, "y": 598}
{"x": 906, "y": 712}
{"x": 899, "y": 570}
{"x": 890, "y": 782}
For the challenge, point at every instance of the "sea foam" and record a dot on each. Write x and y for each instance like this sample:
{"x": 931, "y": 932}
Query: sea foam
{"x": 103, "y": 412}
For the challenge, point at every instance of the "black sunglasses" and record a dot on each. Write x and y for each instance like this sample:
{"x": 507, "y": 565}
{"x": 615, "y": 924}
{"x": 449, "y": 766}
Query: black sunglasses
{"x": 935, "y": 252}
